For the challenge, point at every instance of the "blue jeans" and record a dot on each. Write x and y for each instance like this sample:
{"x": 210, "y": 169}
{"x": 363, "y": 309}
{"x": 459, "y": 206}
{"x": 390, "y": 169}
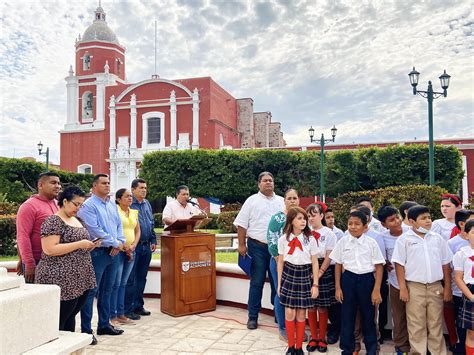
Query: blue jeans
{"x": 279, "y": 309}
{"x": 357, "y": 290}
{"x": 118, "y": 292}
{"x": 137, "y": 280}
{"x": 260, "y": 266}
{"x": 105, "y": 267}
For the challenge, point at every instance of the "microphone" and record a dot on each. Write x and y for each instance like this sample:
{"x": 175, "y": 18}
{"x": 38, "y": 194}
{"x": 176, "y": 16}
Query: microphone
{"x": 193, "y": 203}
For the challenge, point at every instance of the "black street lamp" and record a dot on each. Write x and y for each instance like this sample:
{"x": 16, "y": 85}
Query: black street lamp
{"x": 430, "y": 95}
{"x": 322, "y": 142}
{"x": 40, "y": 148}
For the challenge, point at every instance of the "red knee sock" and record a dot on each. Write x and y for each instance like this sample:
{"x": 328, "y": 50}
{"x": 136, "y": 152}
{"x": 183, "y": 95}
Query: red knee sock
{"x": 469, "y": 350}
{"x": 290, "y": 332}
{"x": 450, "y": 320}
{"x": 313, "y": 323}
{"x": 323, "y": 325}
{"x": 300, "y": 334}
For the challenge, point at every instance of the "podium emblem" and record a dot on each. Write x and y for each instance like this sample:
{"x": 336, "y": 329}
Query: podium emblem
{"x": 185, "y": 266}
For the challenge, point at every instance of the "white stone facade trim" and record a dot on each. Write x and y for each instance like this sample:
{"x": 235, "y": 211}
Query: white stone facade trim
{"x": 195, "y": 143}
{"x": 81, "y": 169}
{"x": 101, "y": 47}
{"x": 133, "y": 87}
{"x": 173, "y": 119}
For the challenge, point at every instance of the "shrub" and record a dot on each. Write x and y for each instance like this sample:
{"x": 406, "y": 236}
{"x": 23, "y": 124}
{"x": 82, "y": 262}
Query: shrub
{"x": 8, "y": 208}
{"x": 8, "y": 235}
{"x": 213, "y": 223}
{"x": 393, "y": 195}
{"x": 225, "y": 220}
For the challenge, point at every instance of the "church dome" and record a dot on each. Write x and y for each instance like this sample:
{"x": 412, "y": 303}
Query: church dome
{"x": 99, "y": 31}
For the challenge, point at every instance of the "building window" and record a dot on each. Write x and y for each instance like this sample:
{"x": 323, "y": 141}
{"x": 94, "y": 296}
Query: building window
{"x": 118, "y": 68}
{"x": 84, "y": 169}
{"x": 86, "y": 62}
{"x": 87, "y": 107}
{"x": 154, "y": 130}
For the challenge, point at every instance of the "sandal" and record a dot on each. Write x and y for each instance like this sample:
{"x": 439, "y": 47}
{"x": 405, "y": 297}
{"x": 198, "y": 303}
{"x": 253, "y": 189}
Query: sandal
{"x": 322, "y": 346}
{"x": 312, "y": 345}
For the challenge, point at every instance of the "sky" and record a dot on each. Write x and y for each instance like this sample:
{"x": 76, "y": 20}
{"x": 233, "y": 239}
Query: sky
{"x": 311, "y": 63}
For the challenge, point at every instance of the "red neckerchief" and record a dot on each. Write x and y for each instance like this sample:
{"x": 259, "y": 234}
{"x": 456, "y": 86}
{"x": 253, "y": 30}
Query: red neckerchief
{"x": 472, "y": 270}
{"x": 295, "y": 243}
{"x": 455, "y": 231}
{"x": 316, "y": 236}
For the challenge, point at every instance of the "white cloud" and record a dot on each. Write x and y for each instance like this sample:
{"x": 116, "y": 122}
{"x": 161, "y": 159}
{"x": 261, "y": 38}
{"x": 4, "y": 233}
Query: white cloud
{"x": 310, "y": 63}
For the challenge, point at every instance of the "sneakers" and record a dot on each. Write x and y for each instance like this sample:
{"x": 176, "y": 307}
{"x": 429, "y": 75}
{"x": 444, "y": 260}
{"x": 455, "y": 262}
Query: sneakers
{"x": 282, "y": 335}
{"x": 252, "y": 324}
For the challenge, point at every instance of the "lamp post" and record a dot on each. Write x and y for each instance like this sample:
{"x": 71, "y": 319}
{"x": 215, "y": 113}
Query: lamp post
{"x": 40, "y": 148}
{"x": 322, "y": 142}
{"x": 430, "y": 95}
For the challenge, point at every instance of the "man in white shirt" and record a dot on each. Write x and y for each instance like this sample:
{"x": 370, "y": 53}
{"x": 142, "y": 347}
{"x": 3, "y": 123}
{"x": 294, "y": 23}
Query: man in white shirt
{"x": 179, "y": 208}
{"x": 252, "y": 223}
{"x": 422, "y": 259}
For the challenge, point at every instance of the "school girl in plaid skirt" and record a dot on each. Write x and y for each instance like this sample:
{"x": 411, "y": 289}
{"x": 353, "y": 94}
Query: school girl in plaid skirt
{"x": 326, "y": 241}
{"x": 463, "y": 262}
{"x": 297, "y": 263}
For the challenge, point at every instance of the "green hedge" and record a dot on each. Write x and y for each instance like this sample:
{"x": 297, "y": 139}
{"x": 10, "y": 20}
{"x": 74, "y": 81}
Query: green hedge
{"x": 18, "y": 178}
{"x": 393, "y": 195}
{"x": 8, "y": 235}
{"x": 230, "y": 175}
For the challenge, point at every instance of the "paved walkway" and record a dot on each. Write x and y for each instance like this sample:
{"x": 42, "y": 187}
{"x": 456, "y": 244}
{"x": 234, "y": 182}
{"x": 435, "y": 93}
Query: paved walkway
{"x": 220, "y": 332}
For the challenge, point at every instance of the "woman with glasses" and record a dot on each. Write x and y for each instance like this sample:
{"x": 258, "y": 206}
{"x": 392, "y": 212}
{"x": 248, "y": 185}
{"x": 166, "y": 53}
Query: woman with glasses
{"x": 65, "y": 259}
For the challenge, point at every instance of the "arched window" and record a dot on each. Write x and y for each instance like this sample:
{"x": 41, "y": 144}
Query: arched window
{"x": 86, "y": 62}
{"x": 87, "y": 107}
{"x": 118, "y": 64}
{"x": 153, "y": 130}
{"x": 84, "y": 169}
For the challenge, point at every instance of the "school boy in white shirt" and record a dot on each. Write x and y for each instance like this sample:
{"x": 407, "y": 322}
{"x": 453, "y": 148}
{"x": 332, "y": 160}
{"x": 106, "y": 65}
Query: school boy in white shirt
{"x": 422, "y": 259}
{"x": 390, "y": 219}
{"x": 357, "y": 287}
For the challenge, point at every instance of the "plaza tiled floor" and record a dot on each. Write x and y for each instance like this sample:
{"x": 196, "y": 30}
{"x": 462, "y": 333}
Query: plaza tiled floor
{"x": 220, "y": 332}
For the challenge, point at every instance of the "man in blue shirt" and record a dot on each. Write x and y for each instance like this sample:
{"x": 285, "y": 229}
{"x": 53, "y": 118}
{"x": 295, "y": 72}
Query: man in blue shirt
{"x": 100, "y": 215}
{"x": 146, "y": 246}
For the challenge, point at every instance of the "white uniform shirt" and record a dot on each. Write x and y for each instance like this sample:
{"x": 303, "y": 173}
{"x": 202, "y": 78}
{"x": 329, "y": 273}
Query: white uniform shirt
{"x": 378, "y": 237}
{"x": 256, "y": 213}
{"x": 390, "y": 241}
{"x": 443, "y": 227}
{"x": 423, "y": 258}
{"x": 299, "y": 257}
{"x": 455, "y": 244}
{"x": 339, "y": 233}
{"x": 376, "y": 225}
{"x": 357, "y": 255}
{"x": 175, "y": 210}
{"x": 405, "y": 227}
{"x": 327, "y": 241}
{"x": 462, "y": 262}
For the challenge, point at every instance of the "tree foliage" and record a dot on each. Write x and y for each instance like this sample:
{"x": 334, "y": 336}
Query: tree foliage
{"x": 18, "y": 178}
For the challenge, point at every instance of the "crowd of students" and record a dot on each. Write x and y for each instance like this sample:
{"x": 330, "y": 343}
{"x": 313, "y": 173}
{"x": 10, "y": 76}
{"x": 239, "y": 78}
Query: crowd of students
{"x": 424, "y": 267}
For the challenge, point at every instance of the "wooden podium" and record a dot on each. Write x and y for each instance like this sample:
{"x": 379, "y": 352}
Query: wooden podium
{"x": 188, "y": 269}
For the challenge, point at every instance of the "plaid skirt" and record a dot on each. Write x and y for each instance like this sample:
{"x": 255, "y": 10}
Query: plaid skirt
{"x": 327, "y": 288}
{"x": 295, "y": 289}
{"x": 466, "y": 313}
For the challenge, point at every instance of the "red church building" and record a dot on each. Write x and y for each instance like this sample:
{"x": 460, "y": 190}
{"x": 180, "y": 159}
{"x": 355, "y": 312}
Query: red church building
{"x": 111, "y": 123}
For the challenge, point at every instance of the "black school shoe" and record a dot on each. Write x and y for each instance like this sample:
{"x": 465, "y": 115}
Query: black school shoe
{"x": 142, "y": 312}
{"x": 312, "y": 345}
{"x": 132, "y": 316}
{"x": 332, "y": 338}
{"x": 322, "y": 346}
{"x": 109, "y": 331}
{"x": 291, "y": 351}
{"x": 252, "y": 324}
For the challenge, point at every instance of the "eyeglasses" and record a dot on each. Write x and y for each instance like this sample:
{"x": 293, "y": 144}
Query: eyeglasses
{"x": 77, "y": 204}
